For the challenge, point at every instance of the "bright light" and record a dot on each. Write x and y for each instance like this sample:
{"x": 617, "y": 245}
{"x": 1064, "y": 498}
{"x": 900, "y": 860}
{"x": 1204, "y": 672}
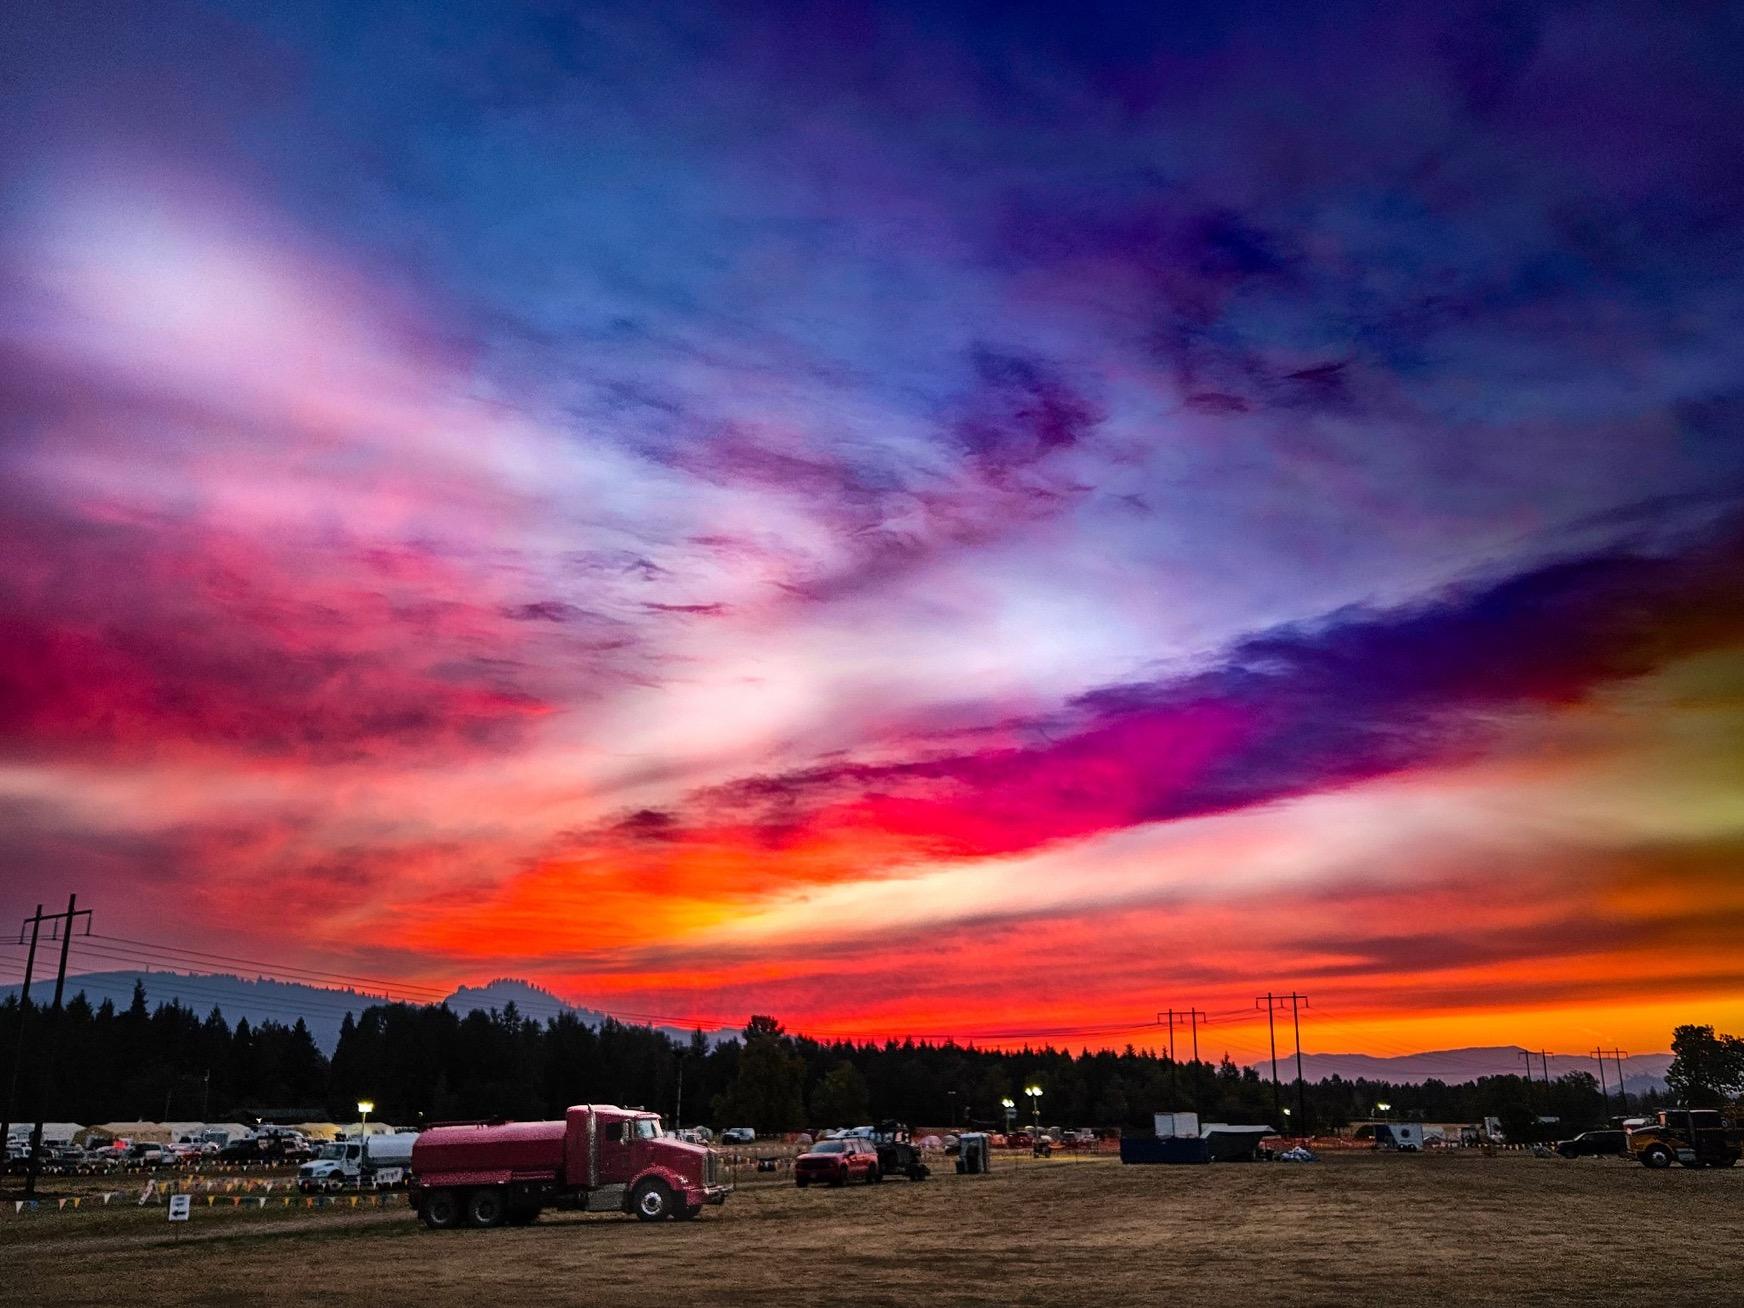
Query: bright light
{"x": 1381, "y": 1108}
{"x": 1007, "y": 1103}
{"x": 366, "y": 1105}
{"x": 1033, "y": 1090}
{"x": 1286, "y": 1112}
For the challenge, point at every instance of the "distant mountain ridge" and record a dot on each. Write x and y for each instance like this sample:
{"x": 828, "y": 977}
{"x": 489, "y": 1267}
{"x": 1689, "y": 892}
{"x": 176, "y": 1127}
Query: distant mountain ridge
{"x": 1641, "y": 1072}
{"x": 261, "y": 999}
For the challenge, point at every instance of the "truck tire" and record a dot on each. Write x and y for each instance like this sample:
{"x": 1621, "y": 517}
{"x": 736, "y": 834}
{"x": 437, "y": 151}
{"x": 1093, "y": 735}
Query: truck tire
{"x": 486, "y": 1207}
{"x": 686, "y": 1212}
{"x": 874, "y": 1176}
{"x": 652, "y": 1201}
{"x": 523, "y": 1216}
{"x": 440, "y": 1210}
{"x": 1657, "y": 1156}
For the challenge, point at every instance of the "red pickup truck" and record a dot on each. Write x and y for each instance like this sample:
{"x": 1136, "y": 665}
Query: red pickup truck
{"x": 837, "y": 1162}
{"x": 600, "y": 1158}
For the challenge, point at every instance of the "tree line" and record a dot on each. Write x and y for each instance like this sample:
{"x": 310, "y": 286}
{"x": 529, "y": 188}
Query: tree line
{"x": 424, "y": 1064}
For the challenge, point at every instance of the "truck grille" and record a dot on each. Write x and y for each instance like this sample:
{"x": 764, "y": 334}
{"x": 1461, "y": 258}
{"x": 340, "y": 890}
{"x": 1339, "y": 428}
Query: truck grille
{"x": 711, "y": 1171}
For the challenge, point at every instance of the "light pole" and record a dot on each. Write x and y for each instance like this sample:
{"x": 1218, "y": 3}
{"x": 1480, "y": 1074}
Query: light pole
{"x": 364, "y": 1108}
{"x": 1035, "y": 1106}
{"x": 1010, "y": 1112}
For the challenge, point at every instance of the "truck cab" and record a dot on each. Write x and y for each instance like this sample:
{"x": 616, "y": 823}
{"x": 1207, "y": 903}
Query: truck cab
{"x": 1695, "y": 1137}
{"x": 336, "y": 1164}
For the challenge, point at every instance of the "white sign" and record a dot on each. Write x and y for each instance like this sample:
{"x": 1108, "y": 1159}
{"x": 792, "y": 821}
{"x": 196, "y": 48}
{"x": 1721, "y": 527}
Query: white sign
{"x": 389, "y": 1175}
{"x": 180, "y": 1204}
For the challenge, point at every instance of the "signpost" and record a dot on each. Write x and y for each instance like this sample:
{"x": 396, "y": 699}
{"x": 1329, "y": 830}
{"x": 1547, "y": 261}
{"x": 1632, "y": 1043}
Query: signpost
{"x": 180, "y": 1207}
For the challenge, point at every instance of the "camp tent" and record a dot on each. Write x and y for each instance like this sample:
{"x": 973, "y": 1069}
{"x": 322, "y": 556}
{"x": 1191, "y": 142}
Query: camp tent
{"x": 53, "y": 1133}
{"x": 1234, "y": 1144}
{"x": 138, "y": 1132}
{"x": 368, "y": 1128}
{"x": 319, "y": 1130}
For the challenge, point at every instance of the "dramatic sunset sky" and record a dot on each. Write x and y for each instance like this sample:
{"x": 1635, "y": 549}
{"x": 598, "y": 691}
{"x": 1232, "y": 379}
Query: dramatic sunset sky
{"x": 929, "y": 519}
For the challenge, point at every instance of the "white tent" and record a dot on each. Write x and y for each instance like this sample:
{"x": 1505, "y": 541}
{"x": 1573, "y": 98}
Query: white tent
{"x": 53, "y": 1133}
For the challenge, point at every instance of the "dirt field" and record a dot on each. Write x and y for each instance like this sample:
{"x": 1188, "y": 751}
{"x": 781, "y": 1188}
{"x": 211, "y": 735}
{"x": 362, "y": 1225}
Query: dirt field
{"x": 1437, "y": 1229}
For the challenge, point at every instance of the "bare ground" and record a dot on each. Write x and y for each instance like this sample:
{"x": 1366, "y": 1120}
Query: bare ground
{"x": 1436, "y": 1229}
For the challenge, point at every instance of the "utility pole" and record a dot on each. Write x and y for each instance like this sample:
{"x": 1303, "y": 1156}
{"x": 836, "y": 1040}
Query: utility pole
{"x": 1269, "y": 1000}
{"x": 1604, "y": 1094}
{"x": 1192, "y": 1016}
{"x": 70, "y": 918}
{"x": 1301, "y": 1083}
{"x": 1617, "y": 1057}
{"x": 35, "y": 925}
{"x": 1174, "y": 1067}
{"x": 678, "y": 1106}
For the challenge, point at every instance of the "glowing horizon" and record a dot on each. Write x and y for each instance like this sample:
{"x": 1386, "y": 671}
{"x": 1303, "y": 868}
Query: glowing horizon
{"x": 944, "y": 527}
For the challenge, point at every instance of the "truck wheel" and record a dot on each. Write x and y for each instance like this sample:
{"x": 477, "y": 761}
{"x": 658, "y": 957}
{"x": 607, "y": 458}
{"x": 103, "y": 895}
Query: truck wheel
{"x": 1656, "y": 1156}
{"x": 652, "y": 1201}
{"x": 523, "y": 1216}
{"x": 801, "y": 1182}
{"x": 440, "y": 1210}
{"x": 486, "y": 1207}
{"x": 687, "y": 1212}
{"x": 874, "y": 1176}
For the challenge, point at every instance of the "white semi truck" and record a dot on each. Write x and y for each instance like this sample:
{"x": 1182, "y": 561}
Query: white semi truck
{"x": 374, "y": 1160}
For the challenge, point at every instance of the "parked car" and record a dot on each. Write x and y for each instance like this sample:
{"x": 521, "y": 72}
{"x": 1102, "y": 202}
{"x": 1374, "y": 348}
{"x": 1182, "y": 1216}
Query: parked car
{"x": 738, "y": 1135}
{"x": 836, "y": 1162}
{"x": 1594, "y": 1143}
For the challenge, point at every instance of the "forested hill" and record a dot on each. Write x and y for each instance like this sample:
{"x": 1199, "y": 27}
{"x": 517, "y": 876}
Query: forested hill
{"x": 322, "y": 1009}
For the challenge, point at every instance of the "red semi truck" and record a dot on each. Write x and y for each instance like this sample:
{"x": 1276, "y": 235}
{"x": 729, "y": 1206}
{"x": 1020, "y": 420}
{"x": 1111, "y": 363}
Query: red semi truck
{"x": 600, "y": 1158}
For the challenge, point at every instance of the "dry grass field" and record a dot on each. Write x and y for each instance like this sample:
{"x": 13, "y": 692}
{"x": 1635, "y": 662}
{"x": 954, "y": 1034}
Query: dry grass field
{"x": 1436, "y": 1229}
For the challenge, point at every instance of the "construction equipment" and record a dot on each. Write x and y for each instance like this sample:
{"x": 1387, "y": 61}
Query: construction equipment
{"x": 1695, "y": 1137}
{"x": 897, "y": 1155}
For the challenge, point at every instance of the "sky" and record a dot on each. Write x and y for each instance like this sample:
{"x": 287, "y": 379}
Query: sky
{"x": 958, "y": 520}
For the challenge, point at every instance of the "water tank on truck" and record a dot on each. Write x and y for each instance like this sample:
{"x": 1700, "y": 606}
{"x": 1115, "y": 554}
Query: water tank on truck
{"x": 599, "y": 1158}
